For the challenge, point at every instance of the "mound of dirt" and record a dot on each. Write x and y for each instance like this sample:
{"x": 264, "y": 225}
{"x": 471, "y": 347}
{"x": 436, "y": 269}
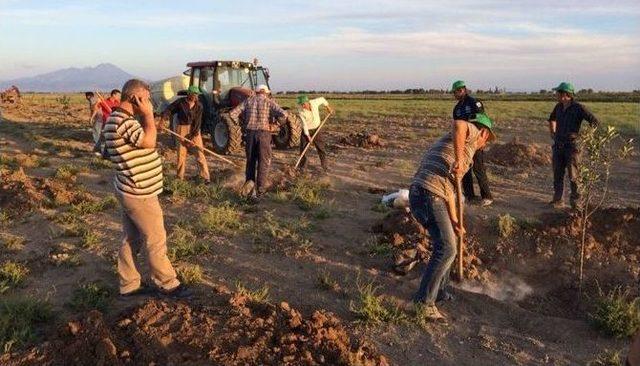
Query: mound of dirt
{"x": 232, "y": 332}
{"x": 363, "y": 139}
{"x": 517, "y": 154}
{"x": 18, "y": 192}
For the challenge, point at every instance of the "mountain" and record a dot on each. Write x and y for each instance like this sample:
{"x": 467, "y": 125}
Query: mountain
{"x": 102, "y": 77}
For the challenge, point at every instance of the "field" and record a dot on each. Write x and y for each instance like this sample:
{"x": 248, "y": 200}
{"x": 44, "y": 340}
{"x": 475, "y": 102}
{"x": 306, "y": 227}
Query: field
{"x": 305, "y": 276}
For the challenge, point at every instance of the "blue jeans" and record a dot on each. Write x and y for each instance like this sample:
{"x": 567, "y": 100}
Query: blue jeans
{"x": 431, "y": 212}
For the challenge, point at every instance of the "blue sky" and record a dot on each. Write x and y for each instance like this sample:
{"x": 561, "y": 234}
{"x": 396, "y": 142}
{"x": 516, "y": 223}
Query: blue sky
{"x": 337, "y": 45}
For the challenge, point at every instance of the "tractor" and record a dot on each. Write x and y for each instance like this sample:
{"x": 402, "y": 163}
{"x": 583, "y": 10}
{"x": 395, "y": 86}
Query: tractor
{"x": 224, "y": 85}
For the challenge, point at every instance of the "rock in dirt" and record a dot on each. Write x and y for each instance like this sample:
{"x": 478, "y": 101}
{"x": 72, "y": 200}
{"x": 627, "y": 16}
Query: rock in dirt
{"x": 363, "y": 139}
{"x": 518, "y": 155}
{"x": 232, "y": 332}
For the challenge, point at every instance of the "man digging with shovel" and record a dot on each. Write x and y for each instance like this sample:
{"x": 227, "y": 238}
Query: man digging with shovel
{"x": 309, "y": 113}
{"x": 432, "y": 201}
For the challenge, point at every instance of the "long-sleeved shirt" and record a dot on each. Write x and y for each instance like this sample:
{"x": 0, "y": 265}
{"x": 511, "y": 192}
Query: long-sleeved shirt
{"x": 568, "y": 120}
{"x": 311, "y": 118}
{"x": 186, "y": 115}
{"x": 257, "y": 111}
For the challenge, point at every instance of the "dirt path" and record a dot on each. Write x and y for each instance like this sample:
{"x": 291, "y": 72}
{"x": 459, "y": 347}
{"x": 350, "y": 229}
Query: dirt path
{"x": 481, "y": 330}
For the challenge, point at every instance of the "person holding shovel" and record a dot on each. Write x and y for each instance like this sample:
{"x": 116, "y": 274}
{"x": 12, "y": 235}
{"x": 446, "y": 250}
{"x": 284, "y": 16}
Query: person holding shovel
{"x": 466, "y": 109}
{"x": 256, "y": 113}
{"x": 564, "y": 127}
{"x": 189, "y": 115}
{"x": 309, "y": 113}
{"x": 432, "y": 201}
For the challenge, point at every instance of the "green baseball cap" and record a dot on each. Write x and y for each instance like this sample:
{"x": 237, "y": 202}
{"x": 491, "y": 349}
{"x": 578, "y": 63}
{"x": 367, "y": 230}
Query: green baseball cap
{"x": 565, "y": 87}
{"x": 302, "y": 99}
{"x": 484, "y": 121}
{"x": 194, "y": 90}
{"x": 457, "y": 85}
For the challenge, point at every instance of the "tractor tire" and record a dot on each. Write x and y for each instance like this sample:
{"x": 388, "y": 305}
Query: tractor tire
{"x": 289, "y": 134}
{"x": 226, "y": 135}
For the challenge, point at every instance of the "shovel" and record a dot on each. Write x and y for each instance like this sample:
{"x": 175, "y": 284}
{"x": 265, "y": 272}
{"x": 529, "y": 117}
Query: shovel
{"x": 304, "y": 151}
{"x": 204, "y": 149}
{"x": 460, "y": 234}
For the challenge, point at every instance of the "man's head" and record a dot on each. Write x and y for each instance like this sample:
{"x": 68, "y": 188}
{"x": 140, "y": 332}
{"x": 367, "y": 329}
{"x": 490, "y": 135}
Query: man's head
{"x": 564, "y": 92}
{"x": 485, "y": 124}
{"x": 192, "y": 93}
{"x": 303, "y": 101}
{"x": 135, "y": 88}
{"x": 115, "y": 94}
{"x": 89, "y": 95}
{"x": 262, "y": 89}
{"x": 459, "y": 89}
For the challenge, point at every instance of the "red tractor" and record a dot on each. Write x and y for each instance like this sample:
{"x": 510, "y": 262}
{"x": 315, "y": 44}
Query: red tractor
{"x": 224, "y": 85}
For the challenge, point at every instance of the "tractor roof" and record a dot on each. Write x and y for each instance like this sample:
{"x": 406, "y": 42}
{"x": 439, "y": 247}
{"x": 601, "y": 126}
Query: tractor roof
{"x": 221, "y": 63}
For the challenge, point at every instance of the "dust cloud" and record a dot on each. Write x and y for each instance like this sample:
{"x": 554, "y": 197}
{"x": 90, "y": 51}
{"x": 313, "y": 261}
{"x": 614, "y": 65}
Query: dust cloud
{"x": 508, "y": 287}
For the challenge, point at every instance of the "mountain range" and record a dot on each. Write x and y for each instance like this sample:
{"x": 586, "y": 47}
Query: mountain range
{"x": 105, "y": 76}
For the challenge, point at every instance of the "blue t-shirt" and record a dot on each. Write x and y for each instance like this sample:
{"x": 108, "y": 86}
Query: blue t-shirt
{"x": 467, "y": 108}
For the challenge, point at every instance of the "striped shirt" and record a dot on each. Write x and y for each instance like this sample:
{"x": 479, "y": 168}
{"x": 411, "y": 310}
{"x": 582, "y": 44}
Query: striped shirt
{"x": 434, "y": 173}
{"x": 257, "y": 112}
{"x": 138, "y": 170}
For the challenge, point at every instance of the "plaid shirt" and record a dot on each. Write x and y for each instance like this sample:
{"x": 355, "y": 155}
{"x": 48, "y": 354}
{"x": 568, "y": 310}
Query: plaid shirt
{"x": 257, "y": 112}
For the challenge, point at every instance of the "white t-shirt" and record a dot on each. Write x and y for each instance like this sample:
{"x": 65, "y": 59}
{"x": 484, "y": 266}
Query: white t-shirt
{"x": 311, "y": 118}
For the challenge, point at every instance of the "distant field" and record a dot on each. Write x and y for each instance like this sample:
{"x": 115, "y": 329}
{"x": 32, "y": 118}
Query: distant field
{"x": 624, "y": 115}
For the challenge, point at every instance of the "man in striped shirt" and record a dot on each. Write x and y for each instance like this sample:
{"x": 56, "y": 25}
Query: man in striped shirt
{"x": 256, "y": 113}
{"x": 131, "y": 146}
{"x": 432, "y": 201}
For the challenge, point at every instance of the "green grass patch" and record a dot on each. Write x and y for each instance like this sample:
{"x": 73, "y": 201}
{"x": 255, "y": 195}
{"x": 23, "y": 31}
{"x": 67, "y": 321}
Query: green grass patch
{"x": 20, "y": 319}
{"x": 66, "y": 173}
{"x": 224, "y": 219}
{"x": 616, "y": 313}
{"x": 100, "y": 163}
{"x": 374, "y": 309}
{"x": 190, "y": 274}
{"x": 12, "y": 274}
{"x": 289, "y": 236}
{"x": 12, "y": 243}
{"x": 5, "y": 218}
{"x": 189, "y": 190}
{"x": 88, "y": 207}
{"x": 91, "y": 296}
{"x": 377, "y": 247}
{"x": 258, "y": 295}
{"x": 184, "y": 244}
{"x": 607, "y": 358}
{"x": 326, "y": 282}
{"x": 308, "y": 193}
{"x": 90, "y": 239}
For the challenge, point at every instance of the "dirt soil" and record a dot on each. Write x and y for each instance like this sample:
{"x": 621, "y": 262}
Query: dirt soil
{"x": 238, "y": 332}
{"x": 518, "y": 305}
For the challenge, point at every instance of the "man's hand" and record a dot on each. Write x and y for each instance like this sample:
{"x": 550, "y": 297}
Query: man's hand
{"x": 330, "y": 109}
{"x": 144, "y": 106}
{"x": 458, "y": 229}
{"x": 458, "y": 170}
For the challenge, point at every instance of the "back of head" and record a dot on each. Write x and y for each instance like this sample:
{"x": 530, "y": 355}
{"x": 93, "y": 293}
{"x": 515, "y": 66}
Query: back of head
{"x": 115, "y": 92}
{"x": 132, "y": 86}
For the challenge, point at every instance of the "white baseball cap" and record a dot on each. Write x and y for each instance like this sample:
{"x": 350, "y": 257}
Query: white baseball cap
{"x": 262, "y": 88}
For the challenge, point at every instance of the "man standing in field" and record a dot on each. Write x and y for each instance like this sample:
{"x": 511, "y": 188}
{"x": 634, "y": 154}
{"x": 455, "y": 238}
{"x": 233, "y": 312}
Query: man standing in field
{"x": 106, "y": 106}
{"x": 466, "y": 110}
{"x": 309, "y": 113}
{"x": 564, "y": 127}
{"x": 432, "y": 202}
{"x": 189, "y": 113}
{"x": 130, "y": 137}
{"x": 256, "y": 112}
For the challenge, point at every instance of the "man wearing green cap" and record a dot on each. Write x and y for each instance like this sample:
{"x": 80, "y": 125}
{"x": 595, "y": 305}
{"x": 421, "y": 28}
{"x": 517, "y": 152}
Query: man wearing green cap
{"x": 189, "y": 114}
{"x": 432, "y": 202}
{"x": 564, "y": 126}
{"x": 466, "y": 109}
{"x": 309, "y": 113}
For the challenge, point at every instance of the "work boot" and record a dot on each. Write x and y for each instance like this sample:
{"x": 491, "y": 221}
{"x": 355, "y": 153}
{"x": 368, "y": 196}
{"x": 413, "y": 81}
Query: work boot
{"x": 430, "y": 313}
{"x": 143, "y": 290}
{"x": 557, "y": 204}
{"x": 485, "y": 202}
{"x": 179, "y": 292}
{"x": 247, "y": 188}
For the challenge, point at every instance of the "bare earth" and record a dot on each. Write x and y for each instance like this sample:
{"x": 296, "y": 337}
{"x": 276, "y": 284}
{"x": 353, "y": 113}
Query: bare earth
{"x": 532, "y": 316}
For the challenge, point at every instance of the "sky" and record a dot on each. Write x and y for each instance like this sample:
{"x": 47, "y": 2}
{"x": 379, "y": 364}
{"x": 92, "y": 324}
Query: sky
{"x": 524, "y": 45}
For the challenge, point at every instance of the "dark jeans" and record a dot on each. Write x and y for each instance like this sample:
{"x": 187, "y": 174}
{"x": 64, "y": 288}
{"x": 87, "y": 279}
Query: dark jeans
{"x": 258, "y": 149}
{"x": 431, "y": 212}
{"x": 480, "y": 172}
{"x": 318, "y": 142}
{"x": 566, "y": 157}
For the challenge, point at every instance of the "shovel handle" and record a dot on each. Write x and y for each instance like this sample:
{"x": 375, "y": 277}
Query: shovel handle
{"x": 460, "y": 213}
{"x": 304, "y": 151}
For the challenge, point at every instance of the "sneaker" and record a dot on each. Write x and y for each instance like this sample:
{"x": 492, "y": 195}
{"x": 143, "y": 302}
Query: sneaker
{"x": 206, "y": 182}
{"x": 143, "y": 290}
{"x": 430, "y": 313}
{"x": 247, "y": 188}
{"x": 179, "y": 292}
{"x": 485, "y": 202}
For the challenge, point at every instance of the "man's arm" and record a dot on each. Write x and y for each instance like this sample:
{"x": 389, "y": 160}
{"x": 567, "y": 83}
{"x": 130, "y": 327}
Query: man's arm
{"x": 303, "y": 121}
{"x": 589, "y": 117}
{"x": 148, "y": 124}
{"x": 552, "y": 123}
{"x": 196, "y": 123}
{"x": 460, "y": 132}
{"x": 171, "y": 108}
{"x": 235, "y": 112}
{"x": 277, "y": 112}
{"x": 453, "y": 215}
